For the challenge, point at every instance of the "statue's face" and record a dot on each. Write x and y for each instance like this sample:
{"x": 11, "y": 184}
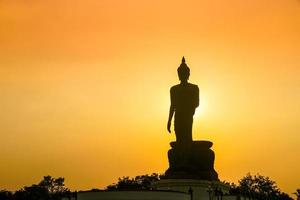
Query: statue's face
{"x": 184, "y": 75}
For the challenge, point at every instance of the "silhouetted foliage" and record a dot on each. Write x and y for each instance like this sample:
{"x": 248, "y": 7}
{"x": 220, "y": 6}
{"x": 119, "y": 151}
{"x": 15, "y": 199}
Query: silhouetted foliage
{"x": 297, "y": 193}
{"x": 34, "y": 192}
{"x": 6, "y": 195}
{"x": 54, "y": 186}
{"x": 47, "y": 189}
{"x": 143, "y": 182}
{"x": 258, "y": 187}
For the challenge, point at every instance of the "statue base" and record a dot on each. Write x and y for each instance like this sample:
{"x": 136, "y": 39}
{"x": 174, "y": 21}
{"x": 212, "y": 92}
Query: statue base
{"x": 191, "y": 161}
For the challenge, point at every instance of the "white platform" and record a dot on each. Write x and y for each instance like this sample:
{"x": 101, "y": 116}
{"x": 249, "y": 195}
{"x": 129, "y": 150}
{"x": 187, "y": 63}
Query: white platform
{"x": 201, "y": 189}
{"x": 131, "y": 195}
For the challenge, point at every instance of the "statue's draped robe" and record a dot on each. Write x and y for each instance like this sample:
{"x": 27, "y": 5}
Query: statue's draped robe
{"x": 184, "y": 99}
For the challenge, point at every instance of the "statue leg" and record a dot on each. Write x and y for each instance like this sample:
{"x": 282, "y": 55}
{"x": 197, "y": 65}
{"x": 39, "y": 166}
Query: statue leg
{"x": 183, "y": 132}
{"x": 183, "y": 129}
{"x": 189, "y": 127}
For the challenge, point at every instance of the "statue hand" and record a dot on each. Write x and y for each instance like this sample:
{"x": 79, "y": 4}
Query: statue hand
{"x": 169, "y": 126}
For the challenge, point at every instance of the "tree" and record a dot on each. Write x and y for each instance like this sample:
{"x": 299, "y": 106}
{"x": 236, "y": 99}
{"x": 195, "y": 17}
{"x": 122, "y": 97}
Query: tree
{"x": 35, "y": 192}
{"x": 6, "y": 195}
{"x": 143, "y": 182}
{"x": 54, "y": 186}
{"x": 47, "y": 189}
{"x": 259, "y": 187}
{"x": 297, "y": 193}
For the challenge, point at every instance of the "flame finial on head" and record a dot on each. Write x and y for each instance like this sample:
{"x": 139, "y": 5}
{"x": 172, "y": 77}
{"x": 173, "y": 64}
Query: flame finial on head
{"x": 183, "y": 64}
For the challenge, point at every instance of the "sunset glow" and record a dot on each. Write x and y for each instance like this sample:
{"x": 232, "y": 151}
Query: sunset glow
{"x": 84, "y": 90}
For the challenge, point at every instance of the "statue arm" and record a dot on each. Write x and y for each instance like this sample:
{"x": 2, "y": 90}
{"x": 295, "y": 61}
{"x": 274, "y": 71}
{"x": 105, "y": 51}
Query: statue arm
{"x": 197, "y": 97}
{"x": 171, "y": 112}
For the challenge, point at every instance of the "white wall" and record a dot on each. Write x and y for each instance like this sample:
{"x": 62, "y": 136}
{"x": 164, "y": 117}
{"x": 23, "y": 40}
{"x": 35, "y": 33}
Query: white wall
{"x": 132, "y": 195}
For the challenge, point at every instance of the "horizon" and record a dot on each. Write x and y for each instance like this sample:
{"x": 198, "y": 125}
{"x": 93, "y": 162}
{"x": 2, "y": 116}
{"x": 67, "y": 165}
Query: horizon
{"x": 85, "y": 87}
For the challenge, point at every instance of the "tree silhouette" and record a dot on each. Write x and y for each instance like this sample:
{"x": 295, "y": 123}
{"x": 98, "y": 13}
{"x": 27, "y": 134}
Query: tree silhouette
{"x": 34, "y": 192}
{"x": 54, "y": 185}
{"x": 6, "y": 195}
{"x": 259, "y": 187}
{"x": 297, "y": 193}
{"x": 48, "y": 189}
{"x": 143, "y": 182}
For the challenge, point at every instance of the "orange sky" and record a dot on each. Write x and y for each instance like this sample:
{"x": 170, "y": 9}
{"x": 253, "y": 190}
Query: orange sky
{"x": 85, "y": 84}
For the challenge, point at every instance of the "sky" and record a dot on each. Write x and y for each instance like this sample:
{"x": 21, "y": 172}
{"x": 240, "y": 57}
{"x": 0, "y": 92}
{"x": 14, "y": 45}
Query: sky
{"x": 84, "y": 87}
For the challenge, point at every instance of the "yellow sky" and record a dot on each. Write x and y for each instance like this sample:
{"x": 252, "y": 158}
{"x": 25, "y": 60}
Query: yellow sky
{"x": 85, "y": 84}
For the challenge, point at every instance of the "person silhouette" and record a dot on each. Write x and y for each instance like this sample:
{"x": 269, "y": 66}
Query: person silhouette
{"x": 184, "y": 101}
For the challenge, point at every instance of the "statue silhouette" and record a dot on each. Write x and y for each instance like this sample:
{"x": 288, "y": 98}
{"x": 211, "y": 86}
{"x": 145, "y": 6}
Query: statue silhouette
{"x": 188, "y": 159}
{"x": 184, "y": 101}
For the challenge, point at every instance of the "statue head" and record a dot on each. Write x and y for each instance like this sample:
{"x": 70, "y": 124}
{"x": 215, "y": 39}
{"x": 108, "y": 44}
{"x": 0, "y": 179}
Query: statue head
{"x": 183, "y": 71}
